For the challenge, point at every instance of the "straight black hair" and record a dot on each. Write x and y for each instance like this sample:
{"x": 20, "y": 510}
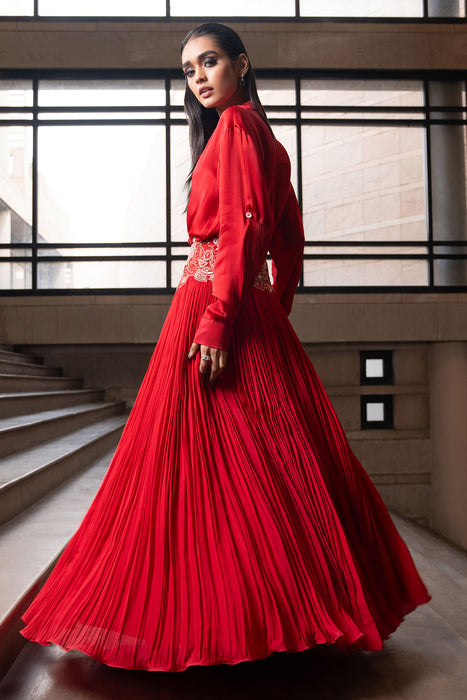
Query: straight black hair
{"x": 201, "y": 120}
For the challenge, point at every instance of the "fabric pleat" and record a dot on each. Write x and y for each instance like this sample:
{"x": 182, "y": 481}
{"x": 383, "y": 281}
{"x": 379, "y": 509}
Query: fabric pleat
{"x": 234, "y": 521}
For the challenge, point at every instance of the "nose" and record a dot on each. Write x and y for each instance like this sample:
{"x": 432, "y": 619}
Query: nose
{"x": 199, "y": 75}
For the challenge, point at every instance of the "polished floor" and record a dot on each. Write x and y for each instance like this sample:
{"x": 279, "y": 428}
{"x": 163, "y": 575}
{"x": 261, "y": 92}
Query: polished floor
{"x": 426, "y": 659}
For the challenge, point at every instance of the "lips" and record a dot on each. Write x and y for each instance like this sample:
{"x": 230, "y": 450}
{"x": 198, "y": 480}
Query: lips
{"x": 205, "y": 91}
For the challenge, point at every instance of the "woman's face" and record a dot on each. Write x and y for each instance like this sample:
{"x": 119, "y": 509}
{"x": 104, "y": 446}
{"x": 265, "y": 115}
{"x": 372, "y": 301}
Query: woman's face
{"x": 211, "y": 75}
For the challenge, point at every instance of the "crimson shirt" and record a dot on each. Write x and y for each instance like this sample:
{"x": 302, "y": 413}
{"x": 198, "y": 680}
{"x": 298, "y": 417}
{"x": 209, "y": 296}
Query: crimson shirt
{"x": 242, "y": 194}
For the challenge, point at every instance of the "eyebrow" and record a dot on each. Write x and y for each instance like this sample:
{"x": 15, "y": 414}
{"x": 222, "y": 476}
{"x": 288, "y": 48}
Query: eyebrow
{"x": 200, "y": 57}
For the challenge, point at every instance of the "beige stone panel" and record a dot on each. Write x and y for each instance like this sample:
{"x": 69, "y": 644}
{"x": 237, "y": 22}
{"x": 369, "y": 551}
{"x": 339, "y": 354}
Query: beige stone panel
{"x": 313, "y": 136}
{"x": 411, "y": 168}
{"x": 344, "y": 215}
{"x": 411, "y": 412}
{"x": 274, "y": 45}
{"x": 312, "y": 275}
{"x": 342, "y": 152}
{"x": 410, "y": 500}
{"x": 382, "y": 272}
{"x": 414, "y": 230}
{"x": 447, "y": 50}
{"x": 68, "y": 300}
{"x": 328, "y": 322}
{"x": 382, "y": 208}
{"x": 452, "y": 321}
{"x": 111, "y": 324}
{"x": 411, "y": 366}
{"x": 380, "y": 143}
{"x": 395, "y": 456}
{"x": 348, "y": 411}
{"x": 148, "y": 322}
{"x": 336, "y": 367}
{"x": 379, "y": 176}
{"x": 313, "y": 221}
{"x": 448, "y": 368}
{"x": 380, "y": 232}
{"x": 414, "y": 272}
{"x": 345, "y": 273}
{"x": 29, "y": 324}
{"x": 409, "y": 322}
{"x": 412, "y": 202}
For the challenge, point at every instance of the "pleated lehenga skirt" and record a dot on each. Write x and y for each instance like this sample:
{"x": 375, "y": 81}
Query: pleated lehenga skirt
{"x": 233, "y": 521}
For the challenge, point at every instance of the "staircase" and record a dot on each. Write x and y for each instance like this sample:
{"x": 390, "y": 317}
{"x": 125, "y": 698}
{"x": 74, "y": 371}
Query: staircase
{"x": 56, "y": 442}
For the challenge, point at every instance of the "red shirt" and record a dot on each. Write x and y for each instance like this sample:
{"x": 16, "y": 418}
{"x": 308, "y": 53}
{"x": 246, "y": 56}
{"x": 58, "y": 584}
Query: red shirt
{"x": 242, "y": 194}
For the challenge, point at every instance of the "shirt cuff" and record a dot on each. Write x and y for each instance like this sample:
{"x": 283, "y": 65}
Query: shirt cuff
{"x": 214, "y": 332}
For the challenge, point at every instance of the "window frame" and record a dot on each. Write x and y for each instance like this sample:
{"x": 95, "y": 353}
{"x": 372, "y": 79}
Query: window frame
{"x": 297, "y": 118}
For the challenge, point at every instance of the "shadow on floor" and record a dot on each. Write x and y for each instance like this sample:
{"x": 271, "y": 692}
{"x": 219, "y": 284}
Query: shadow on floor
{"x": 323, "y": 673}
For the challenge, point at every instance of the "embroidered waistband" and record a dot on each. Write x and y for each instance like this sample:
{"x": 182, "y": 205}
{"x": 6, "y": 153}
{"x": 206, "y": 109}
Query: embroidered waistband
{"x": 202, "y": 258}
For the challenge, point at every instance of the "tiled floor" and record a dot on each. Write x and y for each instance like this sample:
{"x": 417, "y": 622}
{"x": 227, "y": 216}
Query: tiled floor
{"x": 426, "y": 659}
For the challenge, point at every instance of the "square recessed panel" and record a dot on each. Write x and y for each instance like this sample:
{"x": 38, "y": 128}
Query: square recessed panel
{"x": 376, "y": 411}
{"x": 376, "y": 367}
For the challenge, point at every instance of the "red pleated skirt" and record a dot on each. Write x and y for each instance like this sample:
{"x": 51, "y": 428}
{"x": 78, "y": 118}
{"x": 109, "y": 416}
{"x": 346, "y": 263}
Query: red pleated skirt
{"x": 234, "y": 521}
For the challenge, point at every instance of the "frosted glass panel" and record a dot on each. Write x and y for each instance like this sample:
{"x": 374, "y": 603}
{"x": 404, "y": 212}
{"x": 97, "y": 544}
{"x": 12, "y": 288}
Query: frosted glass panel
{"x": 102, "y": 183}
{"x": 375, "y": 412}
{"x": 361, "y": 8}
{"x": 241, "y": 8}
{"x": 96, "y": 8}
{"x": 374, "y": 368}
{"x": 16, "y": 7}
{"x": 101, "y": 93}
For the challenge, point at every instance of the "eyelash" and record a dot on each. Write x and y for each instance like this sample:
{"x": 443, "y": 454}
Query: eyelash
{"x": 208, "y": 62}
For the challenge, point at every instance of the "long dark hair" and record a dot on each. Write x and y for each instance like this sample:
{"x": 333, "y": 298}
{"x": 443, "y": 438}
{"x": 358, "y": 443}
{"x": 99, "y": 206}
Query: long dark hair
{"x": 203, "y": 121}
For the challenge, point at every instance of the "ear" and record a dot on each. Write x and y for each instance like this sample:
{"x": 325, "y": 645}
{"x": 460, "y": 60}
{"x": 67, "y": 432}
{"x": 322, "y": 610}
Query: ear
{"x": 243, "y": 64}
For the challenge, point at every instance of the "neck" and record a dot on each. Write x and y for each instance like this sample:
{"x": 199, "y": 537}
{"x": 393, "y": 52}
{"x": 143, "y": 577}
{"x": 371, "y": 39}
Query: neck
{"x": 238, "y": 98}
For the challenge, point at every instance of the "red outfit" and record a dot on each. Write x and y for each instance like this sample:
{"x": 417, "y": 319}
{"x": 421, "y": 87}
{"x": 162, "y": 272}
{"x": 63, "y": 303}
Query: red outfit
{"x": 233, "y": 521}
{"x": 242, "y": 194}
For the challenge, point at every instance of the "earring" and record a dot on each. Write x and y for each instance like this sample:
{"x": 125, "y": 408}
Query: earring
{"x": 242, "y": 81}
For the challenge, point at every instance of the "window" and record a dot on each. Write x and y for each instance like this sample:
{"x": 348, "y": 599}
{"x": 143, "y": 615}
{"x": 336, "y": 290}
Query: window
{"x": 92, "y": 174}
{"x": 224, "y": 8}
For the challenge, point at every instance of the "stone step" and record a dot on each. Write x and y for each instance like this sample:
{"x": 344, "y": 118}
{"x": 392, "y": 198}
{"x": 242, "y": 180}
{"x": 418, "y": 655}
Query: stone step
{"x": 7, "y": 367}
{"x": 31, "y": 543}
{"x": 17, "y": 404}
{"x": 24, "y": 431}
{"x": 22, "y": 357}
{"x": 17, "y": 382}
{"x": 29, "y": 475}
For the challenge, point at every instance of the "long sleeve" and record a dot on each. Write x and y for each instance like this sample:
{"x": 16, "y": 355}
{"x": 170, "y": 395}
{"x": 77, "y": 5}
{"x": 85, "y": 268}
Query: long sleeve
{"x": 287, "y": 252}
{"x": 245, "y": 230}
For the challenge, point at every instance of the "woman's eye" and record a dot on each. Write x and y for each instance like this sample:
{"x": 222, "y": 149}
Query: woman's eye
{"x": 210, "y": 62}
{"x": 189, "y": 73}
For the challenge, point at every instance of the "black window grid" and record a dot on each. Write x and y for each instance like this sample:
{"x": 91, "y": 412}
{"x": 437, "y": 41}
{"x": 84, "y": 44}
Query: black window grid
{"x": 299, "y": 115}
{"x": 295, "y": 17}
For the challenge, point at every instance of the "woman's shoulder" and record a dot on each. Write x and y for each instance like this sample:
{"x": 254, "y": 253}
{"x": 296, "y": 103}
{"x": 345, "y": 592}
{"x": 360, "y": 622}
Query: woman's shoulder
{"x": 244, "y": 116}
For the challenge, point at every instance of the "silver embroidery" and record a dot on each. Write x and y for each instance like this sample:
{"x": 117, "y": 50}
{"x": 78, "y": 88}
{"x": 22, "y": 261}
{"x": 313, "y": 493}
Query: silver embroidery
{"x": 202, "y": 258}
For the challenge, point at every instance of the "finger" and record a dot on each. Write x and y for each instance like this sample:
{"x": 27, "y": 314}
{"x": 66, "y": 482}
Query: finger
{"x": 193, "y": 350}
{"x": 204, "y": 364}
{"x": 214, "y": 365}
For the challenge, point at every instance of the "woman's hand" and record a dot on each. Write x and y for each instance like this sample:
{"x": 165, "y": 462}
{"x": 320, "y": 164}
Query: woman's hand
{"x": 215, "y": 366}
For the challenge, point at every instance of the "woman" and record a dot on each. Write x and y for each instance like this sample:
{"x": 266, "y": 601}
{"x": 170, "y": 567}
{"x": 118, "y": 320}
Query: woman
{"x": 234, "y": 520}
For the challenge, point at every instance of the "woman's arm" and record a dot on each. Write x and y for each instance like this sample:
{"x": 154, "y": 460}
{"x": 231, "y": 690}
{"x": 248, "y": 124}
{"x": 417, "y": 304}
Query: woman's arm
{"x": 244, "y": 232}
{"x": 287, "y": 252}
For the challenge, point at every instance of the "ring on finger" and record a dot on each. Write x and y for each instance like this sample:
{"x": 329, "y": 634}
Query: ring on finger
{"x": 207, "y": 358}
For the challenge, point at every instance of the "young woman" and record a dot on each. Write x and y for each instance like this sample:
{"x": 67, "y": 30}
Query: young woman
{"x": 234, "y": 520}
